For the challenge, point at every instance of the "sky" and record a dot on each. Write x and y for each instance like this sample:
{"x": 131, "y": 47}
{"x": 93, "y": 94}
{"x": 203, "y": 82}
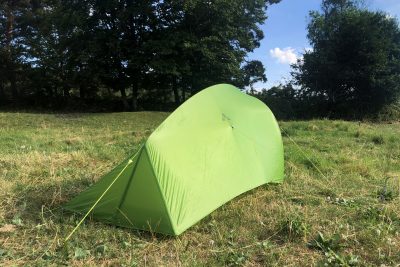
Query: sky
{"x": 285, "y": 35}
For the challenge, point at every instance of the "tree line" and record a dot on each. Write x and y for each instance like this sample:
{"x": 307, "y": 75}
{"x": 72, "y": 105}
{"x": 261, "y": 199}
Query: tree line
{"x": 352, "y": 70}
{"x": 140, "y": 54}
{"x": 154, "y": 54}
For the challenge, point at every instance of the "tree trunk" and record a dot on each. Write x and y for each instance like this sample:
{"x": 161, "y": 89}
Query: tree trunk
{"x": 123, "y": 97}
{"x": 49, "y": 90}
{"x": 65, "y": 91}
{"x": 2, "y": 94}
{"x": 183, "y": 94}
{"x": 9, "y": 25}
{"x": 13, "y": 83}
{"x": 176, "y": 92}
{"x": 82, "y": 91}
{"x": 134, "y": 97}
{"x": 109, "y": 92}
{"x": 9, "y": 37}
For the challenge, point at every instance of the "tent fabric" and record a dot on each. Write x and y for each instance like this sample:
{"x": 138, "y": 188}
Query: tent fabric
{"x": 217, "y": 145}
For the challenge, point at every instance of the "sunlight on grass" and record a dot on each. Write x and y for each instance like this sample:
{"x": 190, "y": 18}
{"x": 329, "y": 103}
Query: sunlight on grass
{"x": 351, "y": 214}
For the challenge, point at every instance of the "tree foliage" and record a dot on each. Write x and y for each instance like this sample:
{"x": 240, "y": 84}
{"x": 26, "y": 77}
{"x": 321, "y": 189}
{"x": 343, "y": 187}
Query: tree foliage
{"x": 148, "y": 54}
{"x": 282, "y": 99}
{"x": 354, "y": 66}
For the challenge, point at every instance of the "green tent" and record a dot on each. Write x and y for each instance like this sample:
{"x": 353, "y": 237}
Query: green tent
{"x": 217, "y": 145}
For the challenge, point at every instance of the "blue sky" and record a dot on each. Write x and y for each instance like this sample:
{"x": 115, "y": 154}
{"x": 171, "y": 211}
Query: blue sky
{"x": 285, "y": 35}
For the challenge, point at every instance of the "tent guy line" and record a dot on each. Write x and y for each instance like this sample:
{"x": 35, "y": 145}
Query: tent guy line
{"x": 174, "y": 180}
{"x": 97, "y": 201}
{"x": 304, "y": 153}
{"x": 130, "y": 161}
{"x": 133, "y": 159}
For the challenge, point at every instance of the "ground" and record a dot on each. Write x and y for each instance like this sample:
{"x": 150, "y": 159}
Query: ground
{"x": 342, "y": 207}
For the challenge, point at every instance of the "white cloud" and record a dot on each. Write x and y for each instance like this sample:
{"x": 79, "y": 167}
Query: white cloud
{"x": 285, "y": 56}
{"x": 308, "y": 49}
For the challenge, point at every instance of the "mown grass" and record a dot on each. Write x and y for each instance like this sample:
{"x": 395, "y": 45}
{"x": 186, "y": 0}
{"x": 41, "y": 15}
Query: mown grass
{"x": 348, "y": 215}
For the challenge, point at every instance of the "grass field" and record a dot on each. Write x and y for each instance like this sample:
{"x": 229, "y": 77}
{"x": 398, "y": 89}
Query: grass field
{"x": 349, "y": 215}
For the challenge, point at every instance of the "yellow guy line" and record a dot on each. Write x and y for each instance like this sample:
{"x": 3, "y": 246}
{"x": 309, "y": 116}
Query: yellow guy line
{"x": 97, "y": 201}
{"x": 304, "y": 154}
{"x": 102, "y": 195}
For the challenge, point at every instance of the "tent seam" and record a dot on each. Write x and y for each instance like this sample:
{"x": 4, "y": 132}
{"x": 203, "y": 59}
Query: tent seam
{"x": 129, "y": 182}
{"x": 160, "y": 191}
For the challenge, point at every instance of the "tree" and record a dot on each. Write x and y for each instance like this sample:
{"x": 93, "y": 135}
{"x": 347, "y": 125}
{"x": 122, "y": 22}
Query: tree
{"x": 12, "y": 14}
{"x": 354, "y": 66}
{"x": 200, "y": 43}
{"x": 282, "y": 100}
{"x": 159, "y": 52}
